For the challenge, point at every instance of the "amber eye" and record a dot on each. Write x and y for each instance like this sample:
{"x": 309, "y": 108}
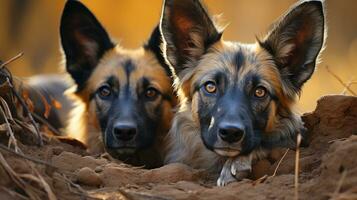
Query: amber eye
{"x": 260, "y": 92}
{"x": 210, "y": 87}
{"x": 104, "y": 91}
{"x": 151, "y": 93}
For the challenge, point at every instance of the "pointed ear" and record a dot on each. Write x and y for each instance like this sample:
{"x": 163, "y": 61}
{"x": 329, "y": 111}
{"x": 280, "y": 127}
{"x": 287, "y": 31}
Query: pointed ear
{"x": 154, "y": 44}
{"x": 188, "y": 31}
{"x": 296, "y": 41}
{"x": 84, "y": 41}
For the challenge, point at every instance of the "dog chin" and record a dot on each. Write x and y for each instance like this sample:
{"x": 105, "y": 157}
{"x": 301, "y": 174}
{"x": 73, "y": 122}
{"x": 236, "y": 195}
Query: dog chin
{"x": 226, "y": 152}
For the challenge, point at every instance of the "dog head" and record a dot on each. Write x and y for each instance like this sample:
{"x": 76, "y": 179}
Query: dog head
{"x": 127, "y": 93}
{"x": 239, "y": 94}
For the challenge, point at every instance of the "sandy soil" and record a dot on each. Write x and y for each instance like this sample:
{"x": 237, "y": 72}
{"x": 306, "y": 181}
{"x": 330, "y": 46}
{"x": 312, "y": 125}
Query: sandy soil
{"x": 328, "y": 168}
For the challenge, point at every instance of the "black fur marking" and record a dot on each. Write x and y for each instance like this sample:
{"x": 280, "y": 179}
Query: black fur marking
{"x": 113, "y": 82}
{"x": 255, "y": 80}
{"x": 239, "y": 59}
{"x": 145, "y": 82}
{"x": 129, "y": 67}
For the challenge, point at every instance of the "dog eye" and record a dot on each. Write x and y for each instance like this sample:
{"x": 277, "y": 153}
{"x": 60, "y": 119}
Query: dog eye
{"x": 151, "y": 93}
{"x": 104, "y": 91}
{"x": 210, "y": 87}
{"x": 260, "y": 92}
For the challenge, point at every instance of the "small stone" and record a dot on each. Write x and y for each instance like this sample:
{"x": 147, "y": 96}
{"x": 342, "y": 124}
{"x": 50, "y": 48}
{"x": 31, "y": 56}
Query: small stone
{"x": 98, "y": 169}
{"x": 88, "y": 177}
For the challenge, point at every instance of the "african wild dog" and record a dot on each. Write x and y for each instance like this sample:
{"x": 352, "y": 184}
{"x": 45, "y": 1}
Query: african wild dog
{"x": 236, "y": 100}
{"x": 124, "y": 97}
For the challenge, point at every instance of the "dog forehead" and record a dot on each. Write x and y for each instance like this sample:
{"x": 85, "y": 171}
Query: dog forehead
{"x": 129, "y": 65}
{"x": 235, "y": 60}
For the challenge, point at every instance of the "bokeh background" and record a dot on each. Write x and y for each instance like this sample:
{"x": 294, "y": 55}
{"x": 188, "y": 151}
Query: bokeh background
{"x": 32, "y": 27}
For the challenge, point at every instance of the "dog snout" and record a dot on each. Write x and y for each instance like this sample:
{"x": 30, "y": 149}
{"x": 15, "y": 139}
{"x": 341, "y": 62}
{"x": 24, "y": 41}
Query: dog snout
{"x": 125, "y": 131}
{"x": 230, "y": 132}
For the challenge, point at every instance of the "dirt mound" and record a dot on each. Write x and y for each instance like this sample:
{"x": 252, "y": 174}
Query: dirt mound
{"x": 328, "y": 168}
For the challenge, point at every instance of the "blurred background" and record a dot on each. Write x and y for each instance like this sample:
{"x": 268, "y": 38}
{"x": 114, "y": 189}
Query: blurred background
{"x": 32, "y": 27}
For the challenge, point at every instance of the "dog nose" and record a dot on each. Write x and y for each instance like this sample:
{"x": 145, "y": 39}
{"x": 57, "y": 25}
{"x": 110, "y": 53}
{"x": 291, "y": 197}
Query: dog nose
{"x": 124, "y": 131}
{"x": 230, "y": 132}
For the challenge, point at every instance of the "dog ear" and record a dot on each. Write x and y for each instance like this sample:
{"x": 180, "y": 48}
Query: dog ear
{"x": 296, "y": 41}
{"x": 84, "y": 41}
{"x": 154, "y": 44}
{"x": 188, "y": 31}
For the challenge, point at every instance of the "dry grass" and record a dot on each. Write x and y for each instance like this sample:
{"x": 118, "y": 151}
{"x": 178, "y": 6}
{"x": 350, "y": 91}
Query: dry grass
{"x": 280, "y": 161}
{"x": 297, "y": 166}
{"x": 32, "y": 184}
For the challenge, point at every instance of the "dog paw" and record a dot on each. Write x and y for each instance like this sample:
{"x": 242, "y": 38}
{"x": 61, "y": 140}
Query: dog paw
{"x": 235, "y": 170}
{"x": 226, "y": 176}
{"x": 241, "y": 167}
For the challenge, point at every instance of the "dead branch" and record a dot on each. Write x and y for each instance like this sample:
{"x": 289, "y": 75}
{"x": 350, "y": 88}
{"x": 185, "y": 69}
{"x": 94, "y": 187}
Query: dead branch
{"x": 11, "y": 60}
{"x": 40, "y": 181}
{"x": 14, "y": 194}
{"x": 346, "y": 86}
{"x": 12, "y": 139}
{"x": 18, "y": 181}
{"x": 39, "y": 135}
{"x": 350, "y": 83}
{"x": 260, "y": 180}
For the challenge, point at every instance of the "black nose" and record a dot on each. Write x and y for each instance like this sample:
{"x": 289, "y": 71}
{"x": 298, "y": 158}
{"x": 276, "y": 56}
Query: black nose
{"x": 231, "y": 132}
{"x": 124, "y": 131}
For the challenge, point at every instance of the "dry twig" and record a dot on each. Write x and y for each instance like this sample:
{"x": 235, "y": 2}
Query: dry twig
{"x": 39, "y": 135}
{"x": 19, "y": 182}
{"x": 11, "y": 60}
{"x": 260, "y": 180}
{"x": 40, "y": 181}
{"x": 14, "y": 194}
{"x": 297, "y": 167}
{"x": 265, "y": 177}
{"x": 349, "y": 84}
{"x": 6, "y": 113}
{"x": 347, "y": 87}
{"x": 280, "y": 161}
